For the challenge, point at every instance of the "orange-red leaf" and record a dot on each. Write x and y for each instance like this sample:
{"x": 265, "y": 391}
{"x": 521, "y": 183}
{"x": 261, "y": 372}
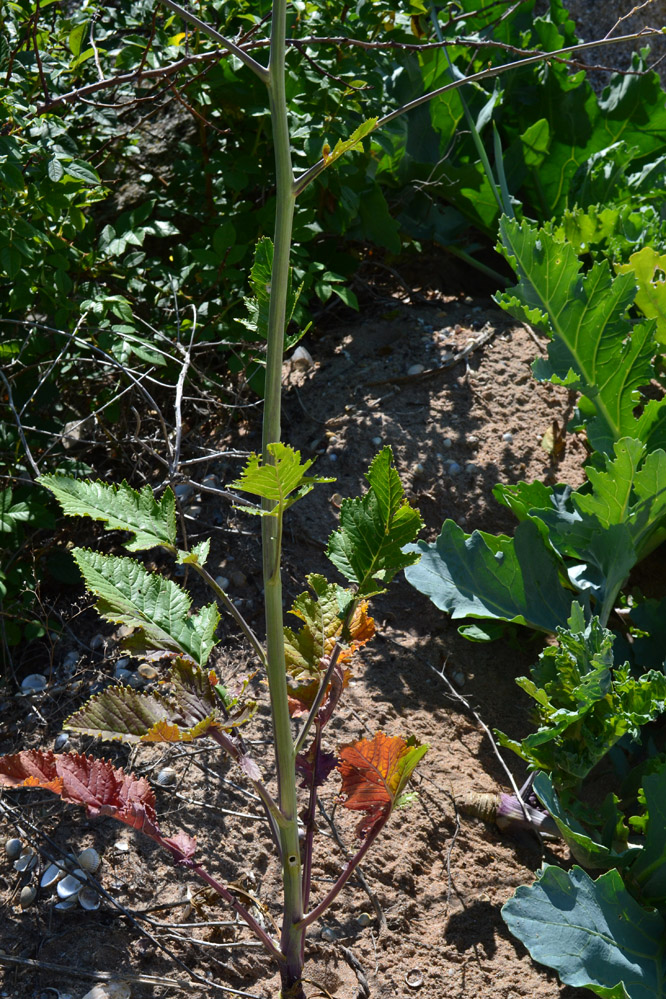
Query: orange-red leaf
{"x": 374, "y": 774}
{"x": 97, "y": 785}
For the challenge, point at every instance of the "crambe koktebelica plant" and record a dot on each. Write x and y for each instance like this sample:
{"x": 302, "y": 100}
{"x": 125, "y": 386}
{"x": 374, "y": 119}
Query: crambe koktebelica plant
{"x": 306, "y": 669}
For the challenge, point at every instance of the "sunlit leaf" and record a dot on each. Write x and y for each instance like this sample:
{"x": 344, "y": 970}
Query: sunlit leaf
{"x": 374, "y": 774}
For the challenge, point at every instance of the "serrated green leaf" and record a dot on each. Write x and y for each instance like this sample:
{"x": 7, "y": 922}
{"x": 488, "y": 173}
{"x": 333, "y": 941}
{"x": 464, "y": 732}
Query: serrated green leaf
{"x": 480, "y": 575}
{"x": 157, "y": 607}
{"x": 594, "y": 347}
{"x": 282, "y": 481}
{"x": 150, "y": 522}
{"x": 198, "y": 554}
{"x": 593, "y": 933}
{"x": 374, "y": 530}
{"x": 354, "y": 141}
{"x": 188, "y": 711}
{"x": 260, "y": 282}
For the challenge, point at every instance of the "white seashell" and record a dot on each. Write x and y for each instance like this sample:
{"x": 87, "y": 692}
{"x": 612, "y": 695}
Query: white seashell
{"x": 414, "y": 978}
{"x": 71, "y": 885}
{"x": 27, "y": 896}
{"x": 121, "y": 845}
{"x": 89, "y": 860}
{"x": 109, "y": 990}
{"x": 26, "y": 861}
{"x": 60, "y": 741}
{"x": 507, "y": 437}
{"x": 51, "y": 876}
{"x": 88, "y": 899}
{"x": 13, "y": 848}
{"x": 302, "y": 359}
{"x": 33, "y": 684}
{"x": 167, "y": 777}
{"x": 327, "y": 934}
{"x": 66, "y": 903}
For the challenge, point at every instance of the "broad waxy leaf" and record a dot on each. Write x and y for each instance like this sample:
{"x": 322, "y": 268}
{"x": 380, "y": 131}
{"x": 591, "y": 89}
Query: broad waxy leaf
{"x": 593, "y": 933}
{"x": 594, "y": 347}
{"x": 97, "y": 785}
{"x": 282, "y": 480}
{"x": 649, "y": 868}
{"x": 374, "y": 774}
{"x": 184, "y": 713}
{"x": 374, "y": 530}
{"x": 150, "y": 522}
{"x": 157, "y": 607}
{"x": 481, "y": 575}
{"x": 585, "y": 849}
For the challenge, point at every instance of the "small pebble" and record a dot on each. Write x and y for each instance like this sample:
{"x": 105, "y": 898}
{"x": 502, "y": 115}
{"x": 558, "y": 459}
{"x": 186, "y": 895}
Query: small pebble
{"x": 327, "y": 934}
{"x": 447, "y": 442}
{"x": 13, "y": 848}
{"x": 222, "y": 582}
{"x": 27, "y": 896}
{"x": 60, "y": 741}
{"x": 363, "y": 919}
{"x": 332, "y": 457}
{"x": 454, "y": 468}
{"x": 71, "y": 660}
{"x": 416, "y": 369}
{"x": 148, "y": 672}
{"x": 96, "y": 642}
{"x": 183, "y": 491}
{"x": 239, "y": 578}
{"x": 210, "y": 481}
{"x": 508, "y": 437}
{"x": 376, "y": 441}
{"x": 195, "y": 510}
{"x": 458, "y": 678}
{"x": 418, "y": 468}
{"x": 123, "y": 676}
{"x": 33, "y": 683}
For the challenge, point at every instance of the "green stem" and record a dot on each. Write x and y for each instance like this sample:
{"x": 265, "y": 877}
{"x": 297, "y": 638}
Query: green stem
{"x": 285, "y": 758}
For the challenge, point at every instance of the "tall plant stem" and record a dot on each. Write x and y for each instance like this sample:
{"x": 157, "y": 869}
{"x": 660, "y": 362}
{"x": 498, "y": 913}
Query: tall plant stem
{"x": 292, "y": 933}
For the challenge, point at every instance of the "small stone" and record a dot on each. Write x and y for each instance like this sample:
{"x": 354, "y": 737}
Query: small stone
{"x": 60, "y": 741}
{"x": 471, "y": 468}
{"x": 210, "y": 480}
{"x": 239, "y": 578}
{"x": 27, "y": 896}
{"x": 97, "y": 641}
{"x": 183, "y": 491}
{"x": 454, "y": 468}
{"x": 376, "y": 441}
{"x": 418, "y": 468}
{"x": 195, "y": 510}
{"x": 458, "y": 678}
{"x": 507, "y": 437}
{"x": 327, "y": 934}
{"x": 13, "y": 848}
{"x": 222, "y": 582}
{"x": 416, "y": 369}
{"x": 332, "y": 457}
{"x": 472, "y": 439}
{"x": 33, "y": 684}
{"x": 447, "y": 442}
{"x": 148, "y": 672}
{"x": 363, "y": 919}
{"x": 70, "y": 661}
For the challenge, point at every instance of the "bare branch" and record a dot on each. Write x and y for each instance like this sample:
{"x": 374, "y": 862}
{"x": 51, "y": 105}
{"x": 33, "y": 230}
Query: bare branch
{"x": 226, "y": 43}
